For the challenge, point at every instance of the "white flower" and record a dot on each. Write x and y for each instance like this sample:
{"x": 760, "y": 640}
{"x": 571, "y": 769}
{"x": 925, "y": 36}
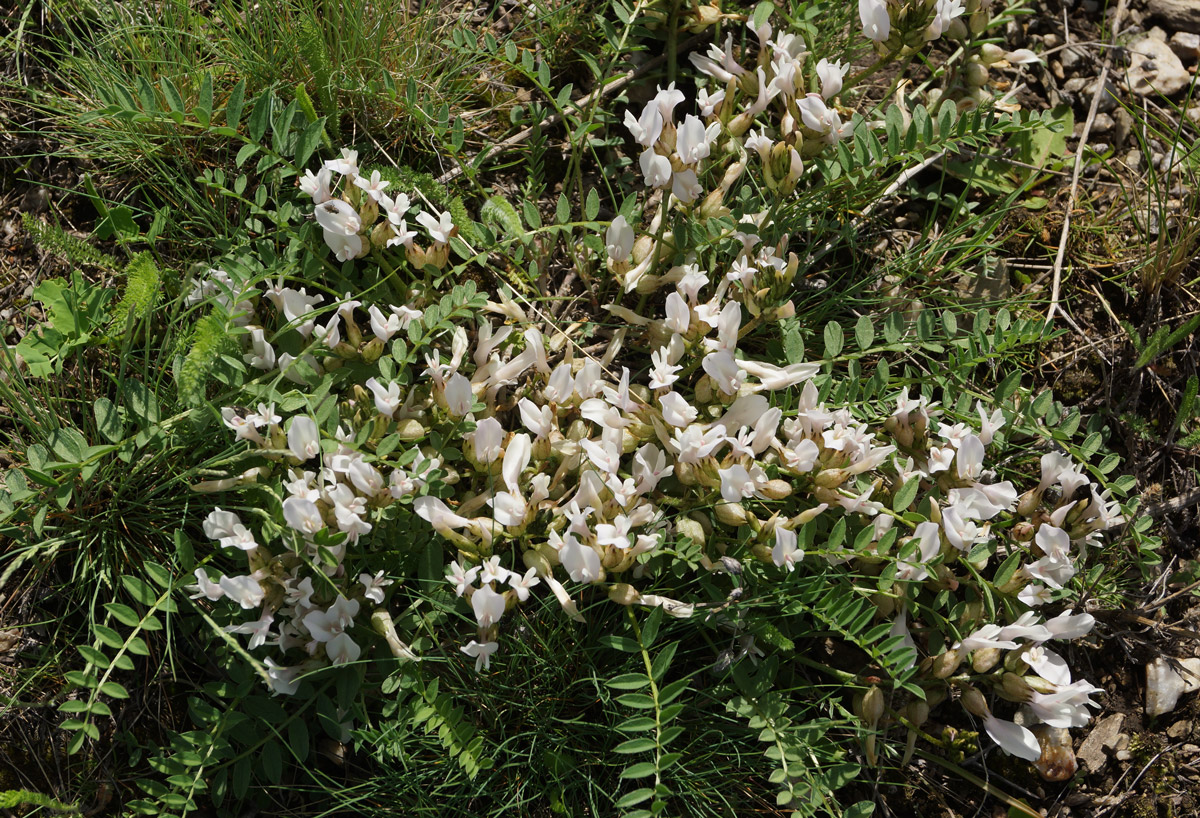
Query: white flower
{"x": 785, "y": 554}
{"x": 1022, "y": 56}
{"x": 259, "y": 630}
{"x": 738, "y": 483}
{"x": 676, "y": 410}
{"x": 459, "y": 397}
{"x": 302, "y": 515}
{"x": 439, "y": 228}
{"x": 663, "y": 373}
{"x": 341, "y": 650}
{"x": 317, "y": 186}
{"x": 347, "y": 165}
{"x": 679, "y": 315}
{"x": 619, "y": 239}
{"x": 876, "y": 24}
{"x": 244, "y": 590}
{"x": 538, "y": 420}
{"x": 304, "y": 439}
{"x": 487, "y": 605}
{"x": 1013, "y": 738}
{"x": 522, "y": 584}
{"x": 685, "y": 186}
{"x": 831, "y": 75}
{"x": 724, "y": 370}
{"x": 615, "y": 534}
{"x": 205, "y": 587}
{"x": 487, "y": 439}
{"x": 374, "y": 186}
{"x": 1066, "y": 626}
{"x": 438, "y": 514}
{"x": 693, "y": 141}
{"x": 943, "y": 13}
{"x": 986, "y": 637}
{"x": 387, "y": 401}
{"x": 344, "y": 247}
{"x": 373, "y": 586}
{"x": 337, "y": 216}
{"x": 400, "y": 234}
{"x": 482, "y": 652}
{"x": 646, "y": 128}
{"x": 461, "y": 577}
{"x": 581, "y": 561}
{"x": 656, "y": 168}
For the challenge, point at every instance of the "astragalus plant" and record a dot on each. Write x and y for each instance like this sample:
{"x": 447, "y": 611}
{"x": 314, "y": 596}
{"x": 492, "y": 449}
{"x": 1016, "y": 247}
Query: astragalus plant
{"x": 684, "y": 446}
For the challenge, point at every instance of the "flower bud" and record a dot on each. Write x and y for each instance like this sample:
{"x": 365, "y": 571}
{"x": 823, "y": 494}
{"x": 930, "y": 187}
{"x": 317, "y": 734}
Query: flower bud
{"x": 733, "y": 514}
{"x": 946, "y": 664}
{"x": 537, "y": 561}
{"x": 372, "y": 351}
{"x": 957, "y": 30}
{"x": 979, "y": 21}
{"x": 884, "y": 603}
{"x": 410, "y": 429}
{"x": 369, "y": 211}
{"x": 977, "y": 74}
{"x": 381, "y": 622}
{"x": 776, "y": 489}
{"x": 974, "y": 702}
{"x": 984, "y": 659}
{"x": 990, "y": 53}
{"x": 623, "y": 594}
{"x": 380, "y": 234}
{"x": 1015, "y": 688}
{"x": 830, "y": 478}
{"x": 693, "y": 530}
{"x": 917, "y": 712}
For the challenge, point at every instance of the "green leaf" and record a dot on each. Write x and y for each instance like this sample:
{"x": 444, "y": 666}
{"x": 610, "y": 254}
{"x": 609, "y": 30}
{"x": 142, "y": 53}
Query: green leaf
{"x": 634, "y": 798}
{"x": 638, "y": 701}
{"x": 204, "y": 103}
{"x": 114, "y": 690}
{"x": 307, "y": 142}
{"x": 834, "y": 338}
{"x": 905, "y": 495}
{"x": 272, "y": 761}
{"x": 629, "y": 681}
{"x": 623, "y": 643}
{"x": 563, "y": 211}
{"x": 591, "y": 207}
{"x": 637, "y": 724}
{"x": 643, "y": 769}
{"x": 1007, "y": 568}
{"x": 662, "y": 662}
{"x": 108, "y": 636}
{"x": 650, "y": 627}
{"x": 68, "y": 445}
{"x": 157, "y": 574}
{"x": 233, "y": 105}
{"x": 139, "y": 589}
{"x": 635, "y": 745}
{"x": 171, "y": 93}
{"x": 93, "y": 656}
{"x": 864, "y": 332}
{"x": 123, "y": 614}
{"x": 260, "y": 116}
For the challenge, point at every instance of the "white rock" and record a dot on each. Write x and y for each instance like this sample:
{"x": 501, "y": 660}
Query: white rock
{"x": 1179, "y": 15}
{"x": 1154, "y": 68}
{"x": 1164, "y": 686}
{"x": 1186, "y": 46}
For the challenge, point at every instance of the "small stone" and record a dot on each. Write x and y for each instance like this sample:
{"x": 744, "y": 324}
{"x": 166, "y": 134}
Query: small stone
{"x": 1050, "y": 41}
{"x": 1193, "y": 114}
{"x": 1179, "y": 729}
{"x": 1189, "y": 749}
{"x": 1123, "y": 755}
{"x": 1124, "y": 127}
{"x": 1177, "y": 15}
{"x": 1122, "y": 742}
{"x": 1056, "y": 68}
{"x": 1157, "y": 33}
{"x": 1186, "y": 46}
{"x": 1102, "y": 124}
{"x": 1154, "y": 69}
{"x": 1104, "y": 734}
{"x": 1164, "y": 685}
{"x": 1071, "y": 59}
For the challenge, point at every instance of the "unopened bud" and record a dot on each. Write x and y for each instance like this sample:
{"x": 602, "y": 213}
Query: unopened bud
{"x": 731, "y": 514}
{"x": 990, "y": 53}
{"x": 946, "y": 664}
{"x": 872, "y": 706}
{"x": 977, "y": 74}
{"x": 974, "y": 702}
{"x": 830, "y": 478}
{"x": 538, "y": 562}
{"x": 984, "y": 659}
{"x": 776, "y": 489}
{"x": 687, "y": 527}
{"x": 623, "y": 594}
{"x": 1015, "y": 688}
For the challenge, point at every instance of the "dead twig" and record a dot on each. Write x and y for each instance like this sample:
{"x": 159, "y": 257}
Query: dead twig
{"x": 1101, "y": 85}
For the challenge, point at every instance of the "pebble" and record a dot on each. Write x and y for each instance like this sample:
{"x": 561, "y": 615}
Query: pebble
{"x": 1179, "y": 729}
{"x": 1123, "y": 755}
{"x": 1154, "y": 68}
{"x": 1186, "y": 46}
{"x": 1157, "y": 33}
{"x": 1193, "y": 114}
{"x": 1050, "y": 41}
{"x": 1104, "y": 735}
{"x": 1177, "y": 15}
{"x": 1103, "y": 123}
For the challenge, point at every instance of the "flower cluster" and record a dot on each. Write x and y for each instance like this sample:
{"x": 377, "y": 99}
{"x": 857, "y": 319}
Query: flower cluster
{"x": 348, "y": 221}
{"x": 547, "y": 468}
